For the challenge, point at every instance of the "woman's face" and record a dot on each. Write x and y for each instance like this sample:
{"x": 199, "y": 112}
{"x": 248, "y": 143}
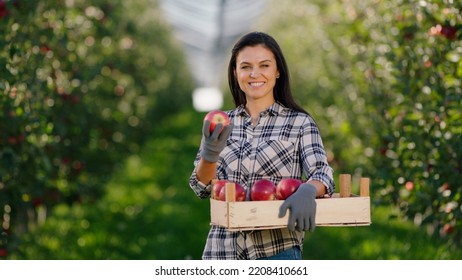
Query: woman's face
{"x": 256, "y": 72}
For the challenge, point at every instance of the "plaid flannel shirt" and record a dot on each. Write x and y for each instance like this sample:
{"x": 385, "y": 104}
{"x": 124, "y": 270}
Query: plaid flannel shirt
{"x": 284, "y": 144}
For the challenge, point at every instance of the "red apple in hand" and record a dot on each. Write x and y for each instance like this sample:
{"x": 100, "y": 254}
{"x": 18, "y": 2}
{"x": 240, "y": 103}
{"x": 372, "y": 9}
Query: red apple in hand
{"x": 217, "y": 186}
{"x": 286, "y": 187}
{"x": 263, "y": 190}
{"x": 215, "y": 117}
{"x": 239, "y": 190}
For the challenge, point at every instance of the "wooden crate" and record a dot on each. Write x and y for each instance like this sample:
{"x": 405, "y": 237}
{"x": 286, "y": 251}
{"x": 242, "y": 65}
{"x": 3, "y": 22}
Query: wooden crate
{"x": 342, "y": 209}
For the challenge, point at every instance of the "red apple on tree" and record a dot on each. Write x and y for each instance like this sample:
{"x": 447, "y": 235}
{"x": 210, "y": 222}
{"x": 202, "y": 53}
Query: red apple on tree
{"x": 286, "y": 187}
{"x": 3, "y": 252}
{"x": 215, "y": 117}
{"x": 3, "y": 9}
{"x": 37, "y": 201}
{"x": 449, "y": 32}
{"x": 263, "y": 190}
{"x": 409, "y": 186}
{"x": 448, "y": 228}
{"x": 239, "y": 193}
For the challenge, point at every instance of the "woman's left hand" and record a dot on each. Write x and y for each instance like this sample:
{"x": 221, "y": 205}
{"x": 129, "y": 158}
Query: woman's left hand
{"x": 302, "y": 205}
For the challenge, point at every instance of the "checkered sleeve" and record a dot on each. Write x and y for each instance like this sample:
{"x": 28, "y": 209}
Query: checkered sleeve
{"x": 199, "y": 188}
{"x": 313, "y": 156}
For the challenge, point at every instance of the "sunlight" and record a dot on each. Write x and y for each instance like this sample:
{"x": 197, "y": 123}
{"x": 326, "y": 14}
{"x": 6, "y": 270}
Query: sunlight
{"x": 207, "y": 99}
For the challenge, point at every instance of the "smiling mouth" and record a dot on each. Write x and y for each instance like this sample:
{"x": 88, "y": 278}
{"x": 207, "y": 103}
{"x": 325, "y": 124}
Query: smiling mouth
{"x": 259, "y": 84}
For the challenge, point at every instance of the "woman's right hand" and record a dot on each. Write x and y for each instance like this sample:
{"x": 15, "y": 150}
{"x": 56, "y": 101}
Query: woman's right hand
{"x": 213, "y": 143}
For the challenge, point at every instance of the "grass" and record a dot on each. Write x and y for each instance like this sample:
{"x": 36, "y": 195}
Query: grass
{"x": 385, "y": 239}
{"x": 149, "y": 212}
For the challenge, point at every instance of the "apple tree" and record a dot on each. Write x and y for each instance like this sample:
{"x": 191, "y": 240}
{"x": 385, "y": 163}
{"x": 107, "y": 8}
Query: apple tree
{"x": 383, "y": 81}
{"x": 415, "y": 76}
{"x": 82, "y": 84}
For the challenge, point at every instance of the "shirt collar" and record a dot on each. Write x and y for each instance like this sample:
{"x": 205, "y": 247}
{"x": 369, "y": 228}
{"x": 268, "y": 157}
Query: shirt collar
{"x": 240, "y": 111}
{"x": 274, "y": 110}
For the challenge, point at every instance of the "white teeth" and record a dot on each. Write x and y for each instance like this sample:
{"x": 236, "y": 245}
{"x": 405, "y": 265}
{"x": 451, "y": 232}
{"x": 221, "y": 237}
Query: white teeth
{"x": 256, "y": 84}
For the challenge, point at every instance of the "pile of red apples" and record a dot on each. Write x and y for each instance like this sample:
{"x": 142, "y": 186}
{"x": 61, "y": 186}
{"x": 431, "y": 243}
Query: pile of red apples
{"x": 261, "y": 190}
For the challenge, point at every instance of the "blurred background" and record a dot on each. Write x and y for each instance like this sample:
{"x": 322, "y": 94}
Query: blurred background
{"x": 102, "y": 105}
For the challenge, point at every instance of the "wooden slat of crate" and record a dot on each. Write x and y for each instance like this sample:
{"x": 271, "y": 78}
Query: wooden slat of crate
{"x": 219, "y": 212}
{"x": 256, "y": 214}
{"x": 343, "y": 211}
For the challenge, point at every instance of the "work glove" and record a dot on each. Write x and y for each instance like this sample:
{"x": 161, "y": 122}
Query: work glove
{"x": 302, "y": 205}
{"x": 213, "y": 143}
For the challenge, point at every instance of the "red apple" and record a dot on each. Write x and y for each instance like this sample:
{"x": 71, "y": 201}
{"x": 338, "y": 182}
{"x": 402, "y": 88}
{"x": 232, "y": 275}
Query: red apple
{"x": 286, "y": 187}
{"x": 215, "y": 117}
{"x": 217, "y": 186}
{"x": 263, "y": 190}
{"x": 449, "y": 32}
{"x": 37, "y": 201}
{"x": 448, "y": 228}
{"x": 3, "y": 9}
{"x": 239, "y": 190}
{"x": 3, "y": 252}
{"x": 409, "y": 185}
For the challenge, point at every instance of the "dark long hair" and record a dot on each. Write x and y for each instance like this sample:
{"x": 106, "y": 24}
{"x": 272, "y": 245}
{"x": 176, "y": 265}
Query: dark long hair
{"x": 282, "y": 92}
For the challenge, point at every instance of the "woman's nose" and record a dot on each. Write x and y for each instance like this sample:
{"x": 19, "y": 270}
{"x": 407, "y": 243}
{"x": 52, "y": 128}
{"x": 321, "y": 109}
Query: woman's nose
{"x": 254, "y": 74}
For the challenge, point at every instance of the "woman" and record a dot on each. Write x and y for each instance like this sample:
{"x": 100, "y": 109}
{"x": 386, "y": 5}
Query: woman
{"x": 270, "y": 137}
